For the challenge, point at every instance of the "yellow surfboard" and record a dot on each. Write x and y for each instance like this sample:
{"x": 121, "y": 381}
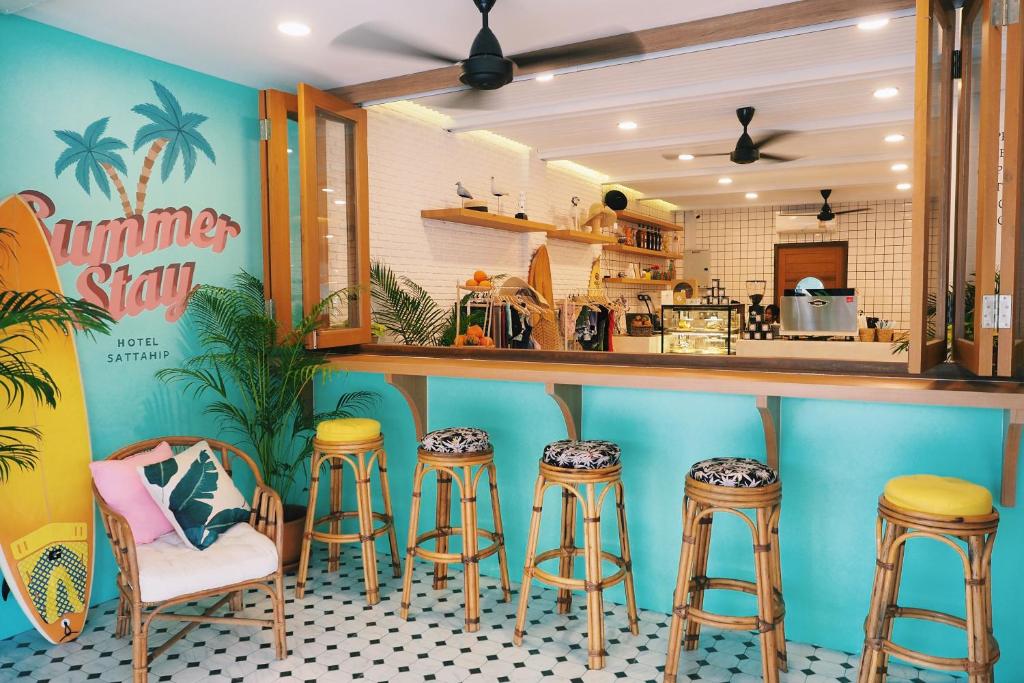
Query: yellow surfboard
{"x": 46, "y": 514}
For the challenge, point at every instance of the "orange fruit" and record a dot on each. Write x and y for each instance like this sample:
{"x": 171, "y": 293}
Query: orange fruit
{"x": 484, "y": 283}
{"x": 471, "y": 283}
{"x": 475, "y": 331}
{"x": 460, "y": 340}
{"x": 480, "y": 276}
{"x": 487, "y": 341}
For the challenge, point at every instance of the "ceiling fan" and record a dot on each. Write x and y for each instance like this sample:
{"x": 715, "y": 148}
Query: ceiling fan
{"x": 486, "y": 68}
{"x": 747, "y": 151}
{"x": 826, "y": 214}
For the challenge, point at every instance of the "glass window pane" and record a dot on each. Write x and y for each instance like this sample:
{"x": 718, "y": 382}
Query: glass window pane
{"x": 967, "y": 232}
{"x": 940, "y": 114}
{"x": 336, "y": 213}
{"x": 294, "y": 220}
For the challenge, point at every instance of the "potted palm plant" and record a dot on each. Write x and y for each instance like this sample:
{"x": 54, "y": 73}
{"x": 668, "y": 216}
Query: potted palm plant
{"x": 259, "y": 377}
{"x": 25, "y": 319}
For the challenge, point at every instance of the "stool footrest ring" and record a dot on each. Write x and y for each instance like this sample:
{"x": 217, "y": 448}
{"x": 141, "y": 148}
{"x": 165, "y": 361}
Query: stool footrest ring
{"x": 328, "y": 537}
{"x": 576, "y": 584}
{"x": 454, "y": 558}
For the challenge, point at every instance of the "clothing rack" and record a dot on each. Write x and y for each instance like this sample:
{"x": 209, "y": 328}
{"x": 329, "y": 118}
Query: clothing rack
{"x": 576, "y": 302}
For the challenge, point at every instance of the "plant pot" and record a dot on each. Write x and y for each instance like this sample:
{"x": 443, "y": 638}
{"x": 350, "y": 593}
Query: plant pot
{"x": 294, "y": 526}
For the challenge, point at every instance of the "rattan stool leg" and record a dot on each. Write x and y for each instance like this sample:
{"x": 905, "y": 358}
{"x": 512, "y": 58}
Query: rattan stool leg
{"x": 470, "y": 551}
{"x": 334, "y": 549}
{"x": 530, "y": 562}
{"x": 627, "y": 559}
{"x": 681, "y": 596}
{"x": 595, "y": 596}
{"x": 443, "y": 523}
{"x": 307, "y": 535}
{"x": 776, "y": 560}
{"x": 977, "y": 628}
{"x": 385, "y": 492}
{"x": 871, "y": 670}
{"x": 765, "y": 596}
{"x": 369, "y": 549}
{"x": 280, "y": 631}
{"x": 410, "y": 552}
{"x": 700, "y": 575}
{"x": 568, "y": 548}
{"x": 499, "y": 530}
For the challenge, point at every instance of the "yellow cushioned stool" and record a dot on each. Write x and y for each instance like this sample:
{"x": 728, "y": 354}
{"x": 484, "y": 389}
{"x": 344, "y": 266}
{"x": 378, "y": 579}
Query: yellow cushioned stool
{"x": 939, "y": 495}
{"x": 960, "y": 515}
{"x": 356, "y": 442}
{"x": 348, "y": 429}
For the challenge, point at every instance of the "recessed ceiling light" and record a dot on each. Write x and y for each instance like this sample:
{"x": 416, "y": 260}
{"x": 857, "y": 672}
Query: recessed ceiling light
{"x": 290, "y": 150}
{"x": 544, "y": 78}
{"x": 873, "y": 24}
{"x": 339, "y": 202}
{"x": 328, "y": 190}
{"x": 903, "y": 187}
{"x": 751, "y": 195}
{"x": 627, "y": 125}
{"x": 293, "y": 28}
{"x": 900, "y": 167}
{"x": 725, "y": 181}
{"x": 895, "y": 137}
{"x": 887, "y": 93}
{"x": 685, "y": 157}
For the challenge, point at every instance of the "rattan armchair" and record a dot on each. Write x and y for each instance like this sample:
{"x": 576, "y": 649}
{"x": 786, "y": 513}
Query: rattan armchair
{"x": 135, "y": 616}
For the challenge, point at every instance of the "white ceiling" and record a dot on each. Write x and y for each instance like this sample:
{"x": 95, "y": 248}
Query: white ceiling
{"x": 238, "y": 39}
{"x": 818, "y": 84}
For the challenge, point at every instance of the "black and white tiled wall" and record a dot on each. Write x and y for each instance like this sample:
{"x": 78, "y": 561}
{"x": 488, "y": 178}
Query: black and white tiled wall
{"x": 334, "y": 636}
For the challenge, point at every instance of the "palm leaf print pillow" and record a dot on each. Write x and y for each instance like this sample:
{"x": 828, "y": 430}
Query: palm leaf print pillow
{"x": 196, "y": 495}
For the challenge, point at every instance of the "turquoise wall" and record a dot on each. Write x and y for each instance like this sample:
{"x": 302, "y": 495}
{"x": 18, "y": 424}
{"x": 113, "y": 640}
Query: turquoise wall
{"x": 836, "y": 457}
{"x": 53, "y": 80}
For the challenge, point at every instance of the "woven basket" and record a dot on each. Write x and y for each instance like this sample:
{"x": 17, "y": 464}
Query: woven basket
{"x": 867, "y": 334}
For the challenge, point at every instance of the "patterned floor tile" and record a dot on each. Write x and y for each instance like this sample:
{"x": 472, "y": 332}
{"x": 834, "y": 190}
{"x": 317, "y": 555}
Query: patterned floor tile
{"x": 334, "y": 637}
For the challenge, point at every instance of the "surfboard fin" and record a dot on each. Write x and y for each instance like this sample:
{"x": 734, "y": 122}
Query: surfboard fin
{"x": 5, "y": 590}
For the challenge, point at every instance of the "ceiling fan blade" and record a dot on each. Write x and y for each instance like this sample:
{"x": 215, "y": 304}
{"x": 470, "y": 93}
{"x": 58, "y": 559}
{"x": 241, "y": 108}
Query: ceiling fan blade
{"x": 368, "y": 37}
{"x": 777, "y": 158}
{"x": 796, "y": 213}
{"x": 595, "y": 50}
{"x": 839, "y": 213}
{"x": 469, "y": 99}
{"x": 773, "y": 137}
{"x": 717, "y": 154}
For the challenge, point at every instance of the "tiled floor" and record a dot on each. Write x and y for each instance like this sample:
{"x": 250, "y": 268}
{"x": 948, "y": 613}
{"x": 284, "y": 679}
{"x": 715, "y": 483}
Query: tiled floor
{"x": 334, "y": 636}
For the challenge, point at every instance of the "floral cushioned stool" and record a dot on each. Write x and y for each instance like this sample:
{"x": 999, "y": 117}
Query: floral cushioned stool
{"x": 734, "y": 473}
{"x": 167, "y": 572}
{"x": 456, "y": 440}
{"x": 581, "y": 455}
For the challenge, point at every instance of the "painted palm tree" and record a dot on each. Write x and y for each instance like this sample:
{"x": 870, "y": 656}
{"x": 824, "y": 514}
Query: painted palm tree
{"x": 171, "y": 131}
{"x": 95, "y": 157}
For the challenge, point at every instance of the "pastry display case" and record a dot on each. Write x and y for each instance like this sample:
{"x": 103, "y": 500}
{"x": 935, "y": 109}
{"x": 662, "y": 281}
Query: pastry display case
{"x": 701, "y": 329}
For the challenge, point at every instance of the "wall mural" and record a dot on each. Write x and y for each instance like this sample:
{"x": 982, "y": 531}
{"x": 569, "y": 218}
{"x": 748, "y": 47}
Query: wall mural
{"x": 97, "y": 161}
{"x": 46, "y": 513}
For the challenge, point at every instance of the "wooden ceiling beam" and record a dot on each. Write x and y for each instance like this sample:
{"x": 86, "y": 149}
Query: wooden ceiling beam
{"x": 789, "y": 16}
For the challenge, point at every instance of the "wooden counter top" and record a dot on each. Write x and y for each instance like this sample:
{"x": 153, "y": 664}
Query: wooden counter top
{"x": 564, "y": 382}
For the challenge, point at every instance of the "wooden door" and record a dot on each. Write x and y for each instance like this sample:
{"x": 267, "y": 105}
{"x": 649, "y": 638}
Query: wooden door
{"x": 1011, "y": 271}
{"x": 974, "y": 266}
{"x": 934, "y": 94}
{"x": 826, "y": 261}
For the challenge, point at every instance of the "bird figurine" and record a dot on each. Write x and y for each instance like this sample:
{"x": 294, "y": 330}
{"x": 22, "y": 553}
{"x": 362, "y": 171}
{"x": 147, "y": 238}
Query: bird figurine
{"x": 461, "y": 189}
{"x": 497, "y": 192}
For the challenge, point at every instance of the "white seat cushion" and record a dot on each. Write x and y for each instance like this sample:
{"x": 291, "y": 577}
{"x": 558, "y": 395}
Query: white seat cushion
{"x": 168, "y": 568}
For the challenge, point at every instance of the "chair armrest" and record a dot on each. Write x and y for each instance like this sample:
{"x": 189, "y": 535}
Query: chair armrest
{"x": 268, "y": 515}
{"x": 122, "y": 542}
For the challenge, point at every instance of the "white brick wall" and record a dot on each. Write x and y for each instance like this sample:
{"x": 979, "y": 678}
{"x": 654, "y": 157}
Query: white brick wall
{"x": 742, "y": 244}
{"x": 414, "y": 165}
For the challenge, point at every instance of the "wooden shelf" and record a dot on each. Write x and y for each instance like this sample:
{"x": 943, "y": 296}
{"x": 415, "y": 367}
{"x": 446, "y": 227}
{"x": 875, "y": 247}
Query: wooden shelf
{"x": 637, "y": 281}
{"x": 582, "y": 237}
{"x": 634, "y": 217}
{"x": 626, "y": 249}
{"x": 484, "y": 219}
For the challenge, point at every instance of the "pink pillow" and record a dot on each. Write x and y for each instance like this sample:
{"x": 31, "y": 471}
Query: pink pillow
{"x": 119, "y": 484}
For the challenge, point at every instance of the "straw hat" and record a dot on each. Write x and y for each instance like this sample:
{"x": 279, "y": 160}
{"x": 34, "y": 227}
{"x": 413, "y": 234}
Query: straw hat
{"x": 600, "y": 211}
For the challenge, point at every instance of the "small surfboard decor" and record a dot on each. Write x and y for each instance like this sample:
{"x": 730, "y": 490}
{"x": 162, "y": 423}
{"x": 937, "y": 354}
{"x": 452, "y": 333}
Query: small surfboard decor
{"x": 46, "y": 513}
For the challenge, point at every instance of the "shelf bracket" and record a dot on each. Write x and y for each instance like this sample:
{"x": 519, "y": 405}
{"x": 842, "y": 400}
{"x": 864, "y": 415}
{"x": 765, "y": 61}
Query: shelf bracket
{"x": 413, "y": 389}
{"x": 1013, "y": 422}
{"x": 769, "y": 408}
{"x": 569, "y": 398}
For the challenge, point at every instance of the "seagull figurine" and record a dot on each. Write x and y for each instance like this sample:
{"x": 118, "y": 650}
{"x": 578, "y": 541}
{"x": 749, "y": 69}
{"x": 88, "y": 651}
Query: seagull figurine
{"x": 463, "y": 192}
{"x": 497, "y": 193}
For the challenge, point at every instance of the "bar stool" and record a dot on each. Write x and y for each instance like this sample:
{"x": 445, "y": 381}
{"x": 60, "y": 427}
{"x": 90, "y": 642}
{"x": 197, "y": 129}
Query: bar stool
{"x": 453, "y": 454}
{"x": 730, "y": 485}
{"x": 946, "y": 510}
{"x": 578, "y": 468}
{"x": 358, "y": 443}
